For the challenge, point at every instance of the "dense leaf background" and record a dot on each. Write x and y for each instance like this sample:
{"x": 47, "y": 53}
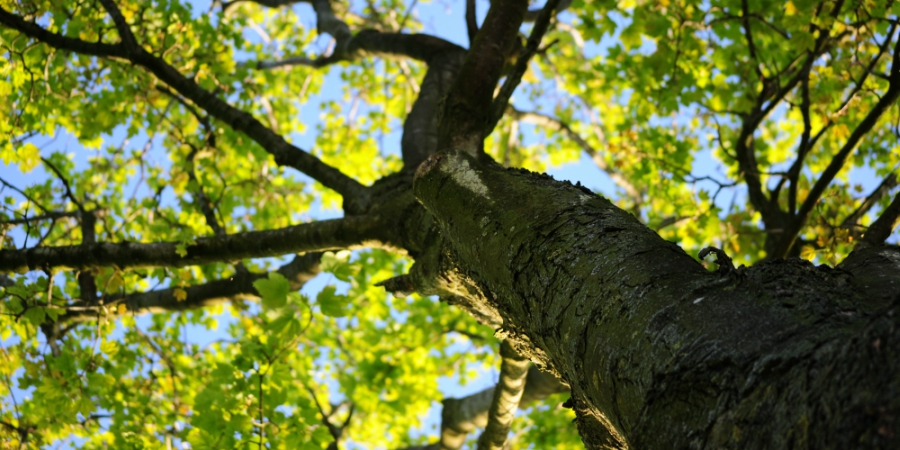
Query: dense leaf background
{"x": 656, "y": 98}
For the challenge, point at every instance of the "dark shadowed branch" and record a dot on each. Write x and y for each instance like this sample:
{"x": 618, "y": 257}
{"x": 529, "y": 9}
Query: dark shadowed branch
{"x": 770, "y": 95}
{"x": 285, "y": 154}
{"x": 471, "y": 20}
{"x": 837, "y": 162}
{"x": 444, "y": 58}
{"x": 237, "y": 287}
{"x": 421, "y": 47}
{"x": 349, "y": 232}
{"x": 879, "y": 231}
{"x": 47, "y": 216}
{"x": 467, "y": 107}
{"x": 515, "y": 76}
{"x": 349, "y": 46}
{"x": 532, "y": 15}
{"x": 852, "y": 221}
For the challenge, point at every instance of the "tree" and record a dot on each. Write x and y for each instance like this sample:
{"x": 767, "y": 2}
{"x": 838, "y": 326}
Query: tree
{"x": 655, "y": 350}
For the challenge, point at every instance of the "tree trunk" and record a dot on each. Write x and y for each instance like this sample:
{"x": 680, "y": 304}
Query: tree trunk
{"x": 658, "y": 351}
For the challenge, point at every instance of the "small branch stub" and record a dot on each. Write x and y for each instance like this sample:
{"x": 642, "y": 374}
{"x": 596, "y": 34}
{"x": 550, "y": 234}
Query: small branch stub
{"x": 401, "y": 286}
{"x": 724, "y": 262}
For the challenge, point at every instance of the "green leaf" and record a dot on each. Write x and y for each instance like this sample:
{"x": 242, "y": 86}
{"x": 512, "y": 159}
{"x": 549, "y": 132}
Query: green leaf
{"x": 274, "y": 290}
{"x": 284, "y": 328}
{"x": 803, "y": 40}
{"x": 337, "y": 264}
{"x": 109, "y": 348}
{"x": 331, "y": 304}
{"x": 35, "y": 314}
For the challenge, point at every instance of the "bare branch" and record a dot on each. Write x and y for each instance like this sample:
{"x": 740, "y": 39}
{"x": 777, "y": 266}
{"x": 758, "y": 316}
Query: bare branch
{"x": 507, "y": 395}
{"x": 52, "y": 215}
{"x": 837, "y": 162}
{"x": 422, "y": 47}
{"x": 879, "y": 231}
{"x": 889, "y": 182}
{"x": 748, "y": 34}
{"x": 23, "y": 194}
{"x": 348, "y": 232}
{"x": 285, "y": 154}
{"x": 533, "y": 15}
{"x": 267, "y": 3}
{"x": 237, "y": 287}
{"x": 515, "y": 76}
{"x": 297, "y": 61}
{"x": 349, "y": 46}
{"x": 471, "y": 20}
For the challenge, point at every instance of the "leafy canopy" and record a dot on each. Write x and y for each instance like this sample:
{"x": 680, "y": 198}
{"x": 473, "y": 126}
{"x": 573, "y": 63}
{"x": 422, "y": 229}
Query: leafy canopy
{"x": 765, "y": 128}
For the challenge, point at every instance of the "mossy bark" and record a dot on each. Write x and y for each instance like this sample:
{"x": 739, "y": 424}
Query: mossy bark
{"x": 658, "y": 351}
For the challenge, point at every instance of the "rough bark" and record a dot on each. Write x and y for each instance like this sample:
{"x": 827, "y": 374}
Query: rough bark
{"x": 660, "y": 353}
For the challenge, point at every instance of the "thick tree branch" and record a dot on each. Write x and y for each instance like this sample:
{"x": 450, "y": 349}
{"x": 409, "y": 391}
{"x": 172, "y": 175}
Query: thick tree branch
{"x": 882, "y": 228}
{"x": 524, "y": 58}
{"x": 770, "y": 95}
{"x": 348, "y": 46}
{"x": 467, "y": 108}
{"x": 507, "y": 395}
{"x": 443, "y": 58}
{"x": 422, "y": 47}
{"x": 237, "y": 287}
{"x": 348, "y": 232}
{"x": 285, "y": 154}
{"x": 420, "y": 128}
